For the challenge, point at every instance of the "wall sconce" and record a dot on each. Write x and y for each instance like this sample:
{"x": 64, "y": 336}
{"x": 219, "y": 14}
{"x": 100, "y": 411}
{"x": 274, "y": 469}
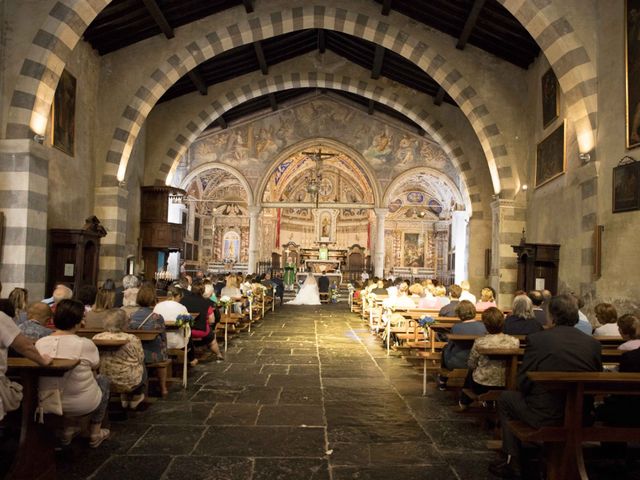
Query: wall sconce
{"x": 585, "y": 157}
{"x": 525, "y": 187}
{"x": 38, "y": 138}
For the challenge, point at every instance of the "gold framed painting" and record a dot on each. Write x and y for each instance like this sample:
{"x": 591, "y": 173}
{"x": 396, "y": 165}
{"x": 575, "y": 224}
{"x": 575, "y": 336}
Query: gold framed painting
{"x": 63, "y": 114}
{"x": 551, "y": 156}
{"x": 632, "y": 72}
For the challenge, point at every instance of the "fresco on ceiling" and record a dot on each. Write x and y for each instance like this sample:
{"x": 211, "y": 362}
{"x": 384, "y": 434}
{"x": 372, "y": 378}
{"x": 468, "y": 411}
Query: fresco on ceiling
{"x": 251, "y": 147}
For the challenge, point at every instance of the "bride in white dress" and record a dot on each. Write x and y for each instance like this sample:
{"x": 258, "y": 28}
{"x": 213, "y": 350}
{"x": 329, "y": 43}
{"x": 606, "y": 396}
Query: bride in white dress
{"x": 308, "y": 294}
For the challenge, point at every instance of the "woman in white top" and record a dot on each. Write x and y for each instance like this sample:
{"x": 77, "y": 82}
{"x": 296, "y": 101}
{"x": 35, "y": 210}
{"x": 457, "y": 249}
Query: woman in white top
{"x": 82, "y": 392}
{"x": 308, "y": 294}
{"x": 232, "y": 291}
{"x": 607, "y": 317}
{"x": 10, "y": 336}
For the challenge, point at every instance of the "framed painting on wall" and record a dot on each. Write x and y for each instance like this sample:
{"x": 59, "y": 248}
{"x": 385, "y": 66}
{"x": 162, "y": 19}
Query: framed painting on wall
{"x": 626, "y": 187}
{"x": 632, "y": 65}
{"x": 550, "y": 98}
{"x": 63, "y": 114}
{"x": 413, "y": 251}
{"x": 551, "y": 156}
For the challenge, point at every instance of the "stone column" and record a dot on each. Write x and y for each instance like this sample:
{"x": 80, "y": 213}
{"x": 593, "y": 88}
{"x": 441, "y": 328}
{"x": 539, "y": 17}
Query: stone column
{"x": 24, "y": 199}
{"x": 381, "y": 213}
{"x": 508, "y": 222}
{"x": 254, "y": 214}
{"x": 111, "y": 210}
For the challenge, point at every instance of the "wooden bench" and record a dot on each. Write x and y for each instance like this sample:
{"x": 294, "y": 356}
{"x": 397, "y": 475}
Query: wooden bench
{"x": 35, "y": 456}
{"x": 566, "y": 461}
{"x": 143, "y": 335}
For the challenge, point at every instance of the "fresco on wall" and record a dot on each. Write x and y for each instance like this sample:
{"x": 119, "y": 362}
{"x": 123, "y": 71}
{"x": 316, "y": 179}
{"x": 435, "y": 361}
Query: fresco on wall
{"x": 389, "y": 149}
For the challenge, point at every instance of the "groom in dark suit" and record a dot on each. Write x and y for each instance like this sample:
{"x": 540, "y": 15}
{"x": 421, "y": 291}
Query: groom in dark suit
{"x": 323, "y": 283}
{"x": 561, "y": 348}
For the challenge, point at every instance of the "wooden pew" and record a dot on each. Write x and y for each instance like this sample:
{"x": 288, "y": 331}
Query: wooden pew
{"x": 35, "y": 456}
{"x": 566, "y": 461}
{"x": 143, "y": 335}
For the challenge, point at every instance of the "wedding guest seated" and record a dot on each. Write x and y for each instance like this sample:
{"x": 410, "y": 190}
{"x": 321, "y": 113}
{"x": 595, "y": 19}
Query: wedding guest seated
{"x": 402, "y": 300}
{"x": 170, "y": 309}
{"x": 416, "y": 291}
{"x": 379, "y": 287}
{"x": 203, "y": 331}
{"x": 128, "y": 282}
{"x": 466, "y": 294}
{"x": 537, "y": 299}
{"x": 487, "y": 299}
{"x": 522, "y": 320}
{"x": 8, "y": 309}
{"x": 629, "y": 328}
{"x": 19, "y": 297}
{"x": 607, "y": 317}
{"x": 38, "y": 316}
{"x": 81, "y": 390}
{"x": 456, "y": 355}
{"x": 232, "y": 291}
{"x": 560, "y": 348}
{"x": 583, "y": 322}
{"x": 278, "y": 284}
{"x": 87, "y": 295}
{"x": 61, "y": 292}
{"x": 449, "y": 310}
{"x": 10, "y": 336}
{"x": 428, "y": 287}
{"x": 124, "y": 365}
{"x": 486, "y": 374}
{"x": 144, "y": 319}
{"x": 104, "y": 301}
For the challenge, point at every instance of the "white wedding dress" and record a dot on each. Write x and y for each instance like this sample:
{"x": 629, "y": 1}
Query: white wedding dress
{"x": 308, "y": 294}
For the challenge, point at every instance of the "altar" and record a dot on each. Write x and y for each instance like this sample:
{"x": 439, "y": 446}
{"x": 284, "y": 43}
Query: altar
{"x": 318, "y": 266}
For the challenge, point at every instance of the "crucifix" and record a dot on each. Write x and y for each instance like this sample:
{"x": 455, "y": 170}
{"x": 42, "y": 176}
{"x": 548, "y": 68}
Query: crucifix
{"x": 313, "y": 182}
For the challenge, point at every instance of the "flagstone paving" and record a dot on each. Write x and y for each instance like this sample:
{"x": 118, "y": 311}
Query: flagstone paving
{"x": 309, "y": 394}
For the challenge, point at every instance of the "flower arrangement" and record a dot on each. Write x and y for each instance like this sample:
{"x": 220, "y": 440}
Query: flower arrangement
{"x": 225, "y": 301}
{"x": 333, "y": 293}
{"x": 183, "y": 320}
{"x": 426, "y": 321}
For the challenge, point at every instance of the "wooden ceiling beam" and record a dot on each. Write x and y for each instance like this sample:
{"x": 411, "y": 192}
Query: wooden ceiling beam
{"x": 158, "y": 17}
{"x": 248, "y": 5}
{"x": 378, "y": 59}
{"x": 273, "y": 102}
{"x": 437, "y": 100}
{"x": 198, "y": 80}
{"x": 470, "y": 24}
{"x": 262, "y": 61}
{"x": 386, "y": 7}
{"x": 322, "y": 40}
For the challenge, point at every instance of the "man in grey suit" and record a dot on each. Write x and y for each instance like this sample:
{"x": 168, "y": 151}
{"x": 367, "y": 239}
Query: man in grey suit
{"x": 561, "y": 348}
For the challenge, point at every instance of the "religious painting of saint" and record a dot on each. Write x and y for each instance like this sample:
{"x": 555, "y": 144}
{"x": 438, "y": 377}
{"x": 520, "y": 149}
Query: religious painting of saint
{"x": 63, "y": 114}
{"x": 413, "y": 252}
{"x": 550, "y": 98}
{"x": 551, "y": 158}
{"x": 231, "y": 247}
{"x": 632, "y": 63}
{"x": 626, "y": 187}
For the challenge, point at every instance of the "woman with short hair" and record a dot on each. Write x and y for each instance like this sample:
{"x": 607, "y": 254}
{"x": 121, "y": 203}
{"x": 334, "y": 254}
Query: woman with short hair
{"x": 629, "y": 328}
{"x": 487, "y": 299}
{"x": 81, "y": 390}
{"x": 522, "y": 320}
{"x": 607, "y": 317}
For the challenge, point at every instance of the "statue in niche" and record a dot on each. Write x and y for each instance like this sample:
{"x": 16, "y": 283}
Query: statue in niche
{"x": 326, "y": 225}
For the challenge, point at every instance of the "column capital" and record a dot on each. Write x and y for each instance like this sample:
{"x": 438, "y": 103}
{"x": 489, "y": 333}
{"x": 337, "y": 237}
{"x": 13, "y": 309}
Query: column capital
{"x": 502, "y": 203}
{"x": 254, "y": 210}
{"x": 381, "y": 212}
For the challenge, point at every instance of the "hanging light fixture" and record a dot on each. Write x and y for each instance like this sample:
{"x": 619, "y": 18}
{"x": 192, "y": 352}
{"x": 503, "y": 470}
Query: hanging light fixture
{"x": 314, "y": 180}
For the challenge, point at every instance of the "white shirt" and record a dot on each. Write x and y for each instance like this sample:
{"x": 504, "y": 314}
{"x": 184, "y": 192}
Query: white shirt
{"x": 170, "y": 310}
{"x": 465, "y": 295}
{"x": 80, "y": 391}
{"x": 8, "y": 333}
{"x": 608, "y": 330}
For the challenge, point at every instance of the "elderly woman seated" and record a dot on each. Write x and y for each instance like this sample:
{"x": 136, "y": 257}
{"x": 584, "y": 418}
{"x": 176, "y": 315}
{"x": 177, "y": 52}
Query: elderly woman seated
{"x": 607, "y": 317}
{"x": 123, "y": 365}
{"x": 522, "y": 320}
{"x": 144, "y": 319}
{"x": 484, "y": 373}
{"x": 82, "y": 391}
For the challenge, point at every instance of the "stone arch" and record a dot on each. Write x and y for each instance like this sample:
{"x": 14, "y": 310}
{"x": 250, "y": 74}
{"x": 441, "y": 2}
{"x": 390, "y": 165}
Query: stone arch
{"x": 569, "y": 59}
{"x": 362, "y": 87}
{"x": 220, "y": 166}
{"x": 374, "y": 28}
{"x": 404, "y": 176}
{"x": 313, "y": 142}
{"x": 48, "y": 54}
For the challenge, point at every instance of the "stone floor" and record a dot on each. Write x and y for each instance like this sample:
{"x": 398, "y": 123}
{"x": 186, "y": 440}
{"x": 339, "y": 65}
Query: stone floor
{"x": 309, "y": 394}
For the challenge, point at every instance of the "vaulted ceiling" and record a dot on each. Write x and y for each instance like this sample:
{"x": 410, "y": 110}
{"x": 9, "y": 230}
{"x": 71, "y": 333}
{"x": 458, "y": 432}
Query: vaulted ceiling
{"x": 483, "y": 23}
